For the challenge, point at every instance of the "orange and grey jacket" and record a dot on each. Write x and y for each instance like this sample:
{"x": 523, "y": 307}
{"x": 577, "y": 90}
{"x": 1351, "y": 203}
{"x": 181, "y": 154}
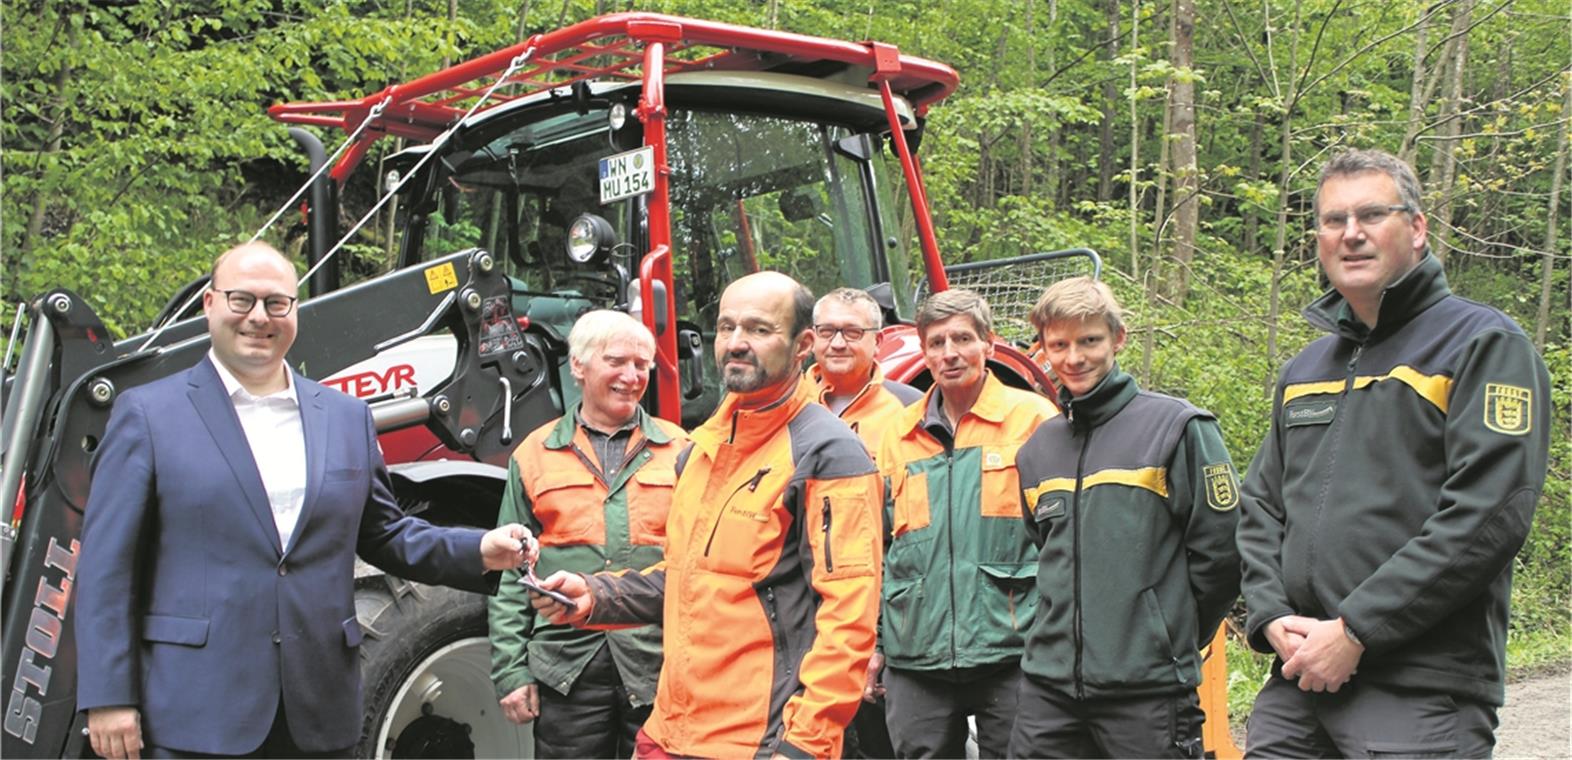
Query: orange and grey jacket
{"x": 958, "y": 590}
{"x": 585, "y": 524}
{"x": 873, "y": 410}
{"x": 769, "y": 591}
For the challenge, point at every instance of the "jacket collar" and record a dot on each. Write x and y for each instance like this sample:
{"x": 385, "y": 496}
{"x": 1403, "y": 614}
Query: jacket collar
{"x": 821, "y": 388}
{"x": 751, "y": 428}
{"x": 991, "y": 406}
{"x": 568, "y": 426}
{"x": 1101, "y": 403}
{"x": 1421, "y": 288}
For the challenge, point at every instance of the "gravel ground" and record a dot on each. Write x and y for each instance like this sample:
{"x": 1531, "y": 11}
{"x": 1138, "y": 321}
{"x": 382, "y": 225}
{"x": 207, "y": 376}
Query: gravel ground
{"x": 1537, "y": 719}
{"x": 1536, "y": 723}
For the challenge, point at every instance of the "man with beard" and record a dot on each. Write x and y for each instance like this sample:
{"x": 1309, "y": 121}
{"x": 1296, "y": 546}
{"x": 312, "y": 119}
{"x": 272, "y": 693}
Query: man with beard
{"x": 769, "y": 591}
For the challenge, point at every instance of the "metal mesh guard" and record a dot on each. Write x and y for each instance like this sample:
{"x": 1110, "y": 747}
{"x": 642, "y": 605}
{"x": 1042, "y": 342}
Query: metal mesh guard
{"x": 1013, "y": 285}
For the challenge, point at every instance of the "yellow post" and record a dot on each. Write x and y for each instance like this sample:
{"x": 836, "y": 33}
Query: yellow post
{"x": 1214, "y": 698}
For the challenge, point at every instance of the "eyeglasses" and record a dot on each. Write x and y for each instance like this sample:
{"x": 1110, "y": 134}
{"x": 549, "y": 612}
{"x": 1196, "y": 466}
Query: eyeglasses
{"x": 852, "y": 334}
{"x": 1368, "y": 216}
{"x": 242, "y": 302}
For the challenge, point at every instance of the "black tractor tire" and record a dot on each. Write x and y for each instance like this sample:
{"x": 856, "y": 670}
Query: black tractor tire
{"x": 406, "y": 625}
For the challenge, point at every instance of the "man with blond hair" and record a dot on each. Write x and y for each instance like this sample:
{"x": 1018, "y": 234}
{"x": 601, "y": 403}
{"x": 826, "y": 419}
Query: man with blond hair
{"x": 847, "y": 380}
{"x": 1131, "y": 499}
{"x": 958, "y": 573}
{"x": 595, "y": 486}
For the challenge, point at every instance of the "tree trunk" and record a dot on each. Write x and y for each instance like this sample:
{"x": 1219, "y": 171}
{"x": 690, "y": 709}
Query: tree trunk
{"x": 1285, "y": 176}
{"x": 1542, "y": 323}
{"x": 523, "y": 26}
{"x": 1160, "y": 177}
{"x": 1252, "y": 220}
{"x": 1443, "y": 167}
{"x": 1105, "y": 139}
{"x": 1187, "y": 176}
{"x": 1056, "y": 135}
{"x": 35, "y": 220}
{"x": 1025, "y": 134}
{"x": 1135, "y": 150}
{"x": 1416, "y": 91}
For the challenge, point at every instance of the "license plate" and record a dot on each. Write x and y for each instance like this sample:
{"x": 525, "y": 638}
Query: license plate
{"x": 627, "y": 174}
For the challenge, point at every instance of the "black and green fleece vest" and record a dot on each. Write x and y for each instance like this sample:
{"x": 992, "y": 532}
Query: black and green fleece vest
{"x": 1111, "y": 493}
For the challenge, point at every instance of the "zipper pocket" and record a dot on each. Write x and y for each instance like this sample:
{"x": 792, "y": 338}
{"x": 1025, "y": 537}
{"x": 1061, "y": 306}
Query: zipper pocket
{"x": 752, "y": 485}
{"x": 829, "y": 561}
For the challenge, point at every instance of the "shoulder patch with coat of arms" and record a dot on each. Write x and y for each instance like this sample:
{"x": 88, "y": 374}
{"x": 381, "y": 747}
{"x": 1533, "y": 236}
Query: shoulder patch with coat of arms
{"x": 1222, "y": 486}
{"x": 1509, "y": 409}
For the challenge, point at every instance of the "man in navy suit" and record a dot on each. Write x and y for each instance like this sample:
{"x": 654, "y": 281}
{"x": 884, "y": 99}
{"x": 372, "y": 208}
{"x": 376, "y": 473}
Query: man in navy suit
{"x": 215, "y": 593}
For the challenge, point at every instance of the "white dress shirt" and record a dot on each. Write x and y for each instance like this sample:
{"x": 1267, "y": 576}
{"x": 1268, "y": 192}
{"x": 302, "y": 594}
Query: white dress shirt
{"x": 278, "y": 445}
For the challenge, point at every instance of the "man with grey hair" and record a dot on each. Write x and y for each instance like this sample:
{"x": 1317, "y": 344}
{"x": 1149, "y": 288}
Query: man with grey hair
{"x": 959, "y": 574}
{"x": 595, "y": 486}
{"x": 1381, "y": 515}
{"x": 847, "y": 380}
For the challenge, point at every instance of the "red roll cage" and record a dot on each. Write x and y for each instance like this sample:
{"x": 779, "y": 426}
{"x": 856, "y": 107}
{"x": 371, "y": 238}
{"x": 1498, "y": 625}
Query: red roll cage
{"x": 640, "y": 47}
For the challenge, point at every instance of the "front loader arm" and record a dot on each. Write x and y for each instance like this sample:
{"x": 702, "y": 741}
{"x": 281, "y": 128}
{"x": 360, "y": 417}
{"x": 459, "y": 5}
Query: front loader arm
{"x": 499, "y": 383}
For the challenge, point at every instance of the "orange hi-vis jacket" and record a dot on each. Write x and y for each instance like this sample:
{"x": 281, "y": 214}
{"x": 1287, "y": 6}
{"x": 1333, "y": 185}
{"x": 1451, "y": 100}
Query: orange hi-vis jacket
{"x": 769, "y": 593}
{"x": 874, "y": 409}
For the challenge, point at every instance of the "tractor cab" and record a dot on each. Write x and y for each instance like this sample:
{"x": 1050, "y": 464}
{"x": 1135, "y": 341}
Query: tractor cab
{"x": 643, "y": 162}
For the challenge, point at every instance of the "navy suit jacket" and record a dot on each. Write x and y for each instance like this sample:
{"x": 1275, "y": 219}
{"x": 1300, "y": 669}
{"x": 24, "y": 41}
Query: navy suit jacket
{"x": 187, "y": 606}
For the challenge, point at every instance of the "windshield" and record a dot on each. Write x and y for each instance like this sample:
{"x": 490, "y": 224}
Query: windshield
{"x": 514, "y": 191}
{"x": 748, "y": 192}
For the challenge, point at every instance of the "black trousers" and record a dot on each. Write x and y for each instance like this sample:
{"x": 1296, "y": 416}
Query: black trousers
{"x": 277, "y": 744}
{"x": 1054, "y": 724}
{"x": 927, "y": 710}
{"x": 1367, "y": 720}
{"x": 868, "y": 736}
{"x": 594, "y": 719}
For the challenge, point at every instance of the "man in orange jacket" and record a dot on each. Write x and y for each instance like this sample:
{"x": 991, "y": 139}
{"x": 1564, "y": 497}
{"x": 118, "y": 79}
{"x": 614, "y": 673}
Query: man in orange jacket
{"x": 847, "y": 380}
{"x": 769, "y": 591}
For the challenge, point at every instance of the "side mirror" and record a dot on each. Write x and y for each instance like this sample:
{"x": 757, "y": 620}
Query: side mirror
{"x": 636, "y": 303}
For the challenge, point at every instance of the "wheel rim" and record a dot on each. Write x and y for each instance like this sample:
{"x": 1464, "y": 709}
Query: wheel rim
{"x": 455, "y": 681}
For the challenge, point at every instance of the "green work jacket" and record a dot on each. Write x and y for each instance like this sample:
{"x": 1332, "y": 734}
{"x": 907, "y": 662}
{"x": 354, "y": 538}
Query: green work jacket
{"x": 585, "y": 525}
{"x": 959, "y": 568}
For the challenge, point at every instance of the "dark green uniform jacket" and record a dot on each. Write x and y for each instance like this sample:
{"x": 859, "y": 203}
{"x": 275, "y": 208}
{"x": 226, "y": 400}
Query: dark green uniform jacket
{"x": 607, "y": 534}
{"x": 1130, "y": 498}
{"x": 1397, "y": 483}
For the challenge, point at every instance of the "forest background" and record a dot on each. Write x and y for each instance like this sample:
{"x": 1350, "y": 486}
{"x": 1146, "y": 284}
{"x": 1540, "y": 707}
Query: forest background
{"x": 1179, "y": 138}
